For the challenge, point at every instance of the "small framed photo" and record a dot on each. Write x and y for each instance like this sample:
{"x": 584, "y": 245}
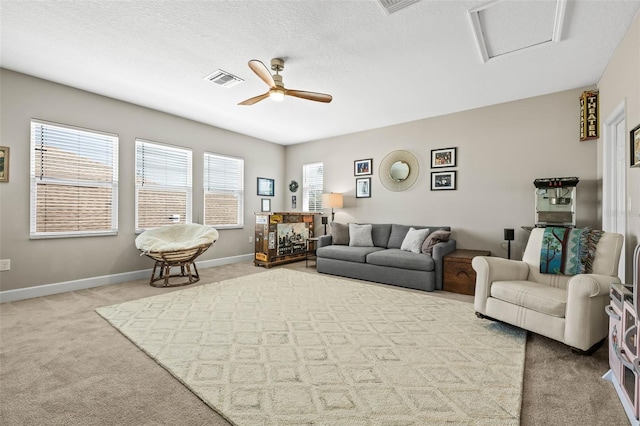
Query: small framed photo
{"x": 363, "y": 188}
{"x": 266, "y": 187}
{"x": 445, "y": 157}
{"x": 443, "y": 180}
{"x": 4, "y": 164}
{"x": 634, "y": 137}
{"x": 265, "y": 205}
{"x": 294, "y": 202}
{"x": 362, "y": 167}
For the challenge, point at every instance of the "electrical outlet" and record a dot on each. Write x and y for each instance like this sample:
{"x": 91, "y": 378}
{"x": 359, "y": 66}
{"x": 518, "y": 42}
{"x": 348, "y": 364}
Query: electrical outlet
{"x": 250, "y": 240}
{"x": 5, "y": 264}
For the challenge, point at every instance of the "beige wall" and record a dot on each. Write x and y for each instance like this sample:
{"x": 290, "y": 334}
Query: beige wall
{"x": 37, "y": 262}
{"x": 501, "y": 150}
{"x": 620, "y": 83}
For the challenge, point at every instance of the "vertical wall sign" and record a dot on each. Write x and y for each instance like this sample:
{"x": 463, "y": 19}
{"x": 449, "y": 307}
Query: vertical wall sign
{"x": 589, "y": 122}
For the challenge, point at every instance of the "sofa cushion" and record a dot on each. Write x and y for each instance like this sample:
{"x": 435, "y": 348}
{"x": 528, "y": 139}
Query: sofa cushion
{"x": 340, "y": 233}
{"x": 413, "y": 240}
{"x": 401, "y": 259}
{"x": 346, "y": 253}
{"x": 531, "y": 295}
{"x": 434, "y": 238}
{"x": 380, "y": 233}
{"x": 360, "y": 235}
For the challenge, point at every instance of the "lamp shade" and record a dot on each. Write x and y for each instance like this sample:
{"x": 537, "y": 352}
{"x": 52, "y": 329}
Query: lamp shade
{"x": 332, "y": 200}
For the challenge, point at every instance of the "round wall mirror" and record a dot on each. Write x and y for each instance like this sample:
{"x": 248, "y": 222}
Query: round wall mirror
{"x": 399, "y": 171}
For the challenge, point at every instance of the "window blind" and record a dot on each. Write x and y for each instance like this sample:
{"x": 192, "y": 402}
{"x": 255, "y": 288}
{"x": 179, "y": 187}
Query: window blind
{"x": 163, "y": 185}
{"x": 223, "y": 191}
{"x": 74, "y": 181}
{"x": 312, "y": 186}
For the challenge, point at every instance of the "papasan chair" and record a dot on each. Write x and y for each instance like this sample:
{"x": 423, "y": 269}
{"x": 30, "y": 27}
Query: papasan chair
{"x": 176, "y": 246}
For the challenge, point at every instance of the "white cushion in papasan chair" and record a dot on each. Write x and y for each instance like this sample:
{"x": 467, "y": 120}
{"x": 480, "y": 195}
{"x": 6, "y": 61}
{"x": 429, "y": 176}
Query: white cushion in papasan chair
{"x": 176, "y": 237}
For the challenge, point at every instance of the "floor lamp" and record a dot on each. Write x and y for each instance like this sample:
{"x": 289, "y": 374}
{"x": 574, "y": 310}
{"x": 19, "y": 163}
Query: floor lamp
{"x": 332, "y": 200}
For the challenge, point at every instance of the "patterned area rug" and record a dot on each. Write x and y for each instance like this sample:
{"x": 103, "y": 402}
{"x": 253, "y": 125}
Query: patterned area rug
{"x": 290, "y": 348}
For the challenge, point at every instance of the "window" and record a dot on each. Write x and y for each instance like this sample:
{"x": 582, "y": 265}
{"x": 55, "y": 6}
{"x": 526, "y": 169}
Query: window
{"x": 312, "y": 183}
{"x": 223, "y": 191}
{"x": 74, "y": 181}
{"x": 163, "y": 185}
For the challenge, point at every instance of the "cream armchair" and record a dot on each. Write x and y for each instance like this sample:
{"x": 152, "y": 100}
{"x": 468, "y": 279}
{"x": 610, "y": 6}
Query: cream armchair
{"x": 569, "y": 309}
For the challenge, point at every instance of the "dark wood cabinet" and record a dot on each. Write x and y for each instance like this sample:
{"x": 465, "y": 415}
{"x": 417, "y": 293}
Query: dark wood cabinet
{"x": 281, "y": 237}
{"x": 458, "y": 275}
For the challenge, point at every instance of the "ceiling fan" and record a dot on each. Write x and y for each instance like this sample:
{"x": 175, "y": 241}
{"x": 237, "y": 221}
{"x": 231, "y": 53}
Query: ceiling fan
{"x": 277, "y": 91}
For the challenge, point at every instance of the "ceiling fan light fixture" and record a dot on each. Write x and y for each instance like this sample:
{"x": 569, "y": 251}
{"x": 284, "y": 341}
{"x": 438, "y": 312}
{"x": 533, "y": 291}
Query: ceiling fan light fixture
{"x": 276, "y": 94}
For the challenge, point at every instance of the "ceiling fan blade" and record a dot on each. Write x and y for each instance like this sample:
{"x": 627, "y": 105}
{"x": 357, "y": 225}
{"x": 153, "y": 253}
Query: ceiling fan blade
{"x": 262, "y": 71}
{"x": 312, "y": 96}
{"x": 255, "y": 99}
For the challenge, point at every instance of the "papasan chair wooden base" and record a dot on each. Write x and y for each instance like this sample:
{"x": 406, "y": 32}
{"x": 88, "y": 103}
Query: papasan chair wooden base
{"x": 175, "y": 247}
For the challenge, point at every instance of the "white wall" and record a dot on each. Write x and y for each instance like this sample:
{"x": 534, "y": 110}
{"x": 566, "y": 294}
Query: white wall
{"x": 501, "y": 149}
{"x": 37, "y": 262}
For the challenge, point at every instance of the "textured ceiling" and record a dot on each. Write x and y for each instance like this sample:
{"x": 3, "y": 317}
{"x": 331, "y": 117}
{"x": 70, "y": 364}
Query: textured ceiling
{"x": 381, "y": 68}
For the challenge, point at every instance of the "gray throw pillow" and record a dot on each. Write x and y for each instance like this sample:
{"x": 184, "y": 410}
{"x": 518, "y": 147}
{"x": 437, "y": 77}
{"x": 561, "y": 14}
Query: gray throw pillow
{"x": 340, "y": 234}
{"x": 398, "y": 232}
{"x": 414, "y": 239}
{"x": 433, "y": 239}
{"x": 360, "y": 235}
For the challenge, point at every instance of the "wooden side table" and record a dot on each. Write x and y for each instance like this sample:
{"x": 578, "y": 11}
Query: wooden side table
{"x": 458, "y": 275}
{"x": 312, "y": 246}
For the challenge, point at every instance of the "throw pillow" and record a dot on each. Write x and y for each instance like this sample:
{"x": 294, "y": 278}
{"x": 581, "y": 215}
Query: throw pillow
{"x": 436, "y": 237}
{"x": 398, "y": 232}
{"x": 414, "y": 239}
{"x": 360, "y": 235}
{"x": 340, "y": 234}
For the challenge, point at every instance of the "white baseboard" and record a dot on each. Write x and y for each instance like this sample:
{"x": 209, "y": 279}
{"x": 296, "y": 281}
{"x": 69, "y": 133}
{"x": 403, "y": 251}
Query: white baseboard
{"x": 63, "y": 287}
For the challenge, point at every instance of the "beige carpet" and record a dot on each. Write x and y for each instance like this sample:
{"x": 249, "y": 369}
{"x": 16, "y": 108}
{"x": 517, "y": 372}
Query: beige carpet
{"x": 284, "y": 347}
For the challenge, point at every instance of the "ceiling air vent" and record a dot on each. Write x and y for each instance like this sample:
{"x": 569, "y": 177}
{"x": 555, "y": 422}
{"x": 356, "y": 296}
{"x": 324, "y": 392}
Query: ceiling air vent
{"x": 392, "y": 6}
{"x": 223, "y": 78}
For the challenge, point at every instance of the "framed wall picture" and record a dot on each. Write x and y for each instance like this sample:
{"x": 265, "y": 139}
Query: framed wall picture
{"x": 444, "y": 157}
{"x": 266, "y": 187}
{"x": 265, "y": 205}
{"x": 443, "y": 180}
{"x": 294, "y": 202}
{"x": 634, "y": 137}
{"x": 362, "y": 167}
{"x": 4, "y": 164}
{"x": 363, "y": 188}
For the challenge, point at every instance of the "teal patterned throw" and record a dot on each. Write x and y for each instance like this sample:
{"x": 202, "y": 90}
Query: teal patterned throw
{"x": 568, "y": 251}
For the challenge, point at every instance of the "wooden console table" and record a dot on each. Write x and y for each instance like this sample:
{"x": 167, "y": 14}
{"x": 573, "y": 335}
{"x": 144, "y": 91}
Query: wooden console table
{"x": 458, "y": 275}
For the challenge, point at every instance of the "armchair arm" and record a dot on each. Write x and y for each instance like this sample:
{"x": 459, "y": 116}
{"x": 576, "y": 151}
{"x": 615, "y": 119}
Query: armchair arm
{"x": 439, "y": 251}
{"x": 590, "y": 285}
{"x": 489, "y": 269}
{"x": 586, "y": 321}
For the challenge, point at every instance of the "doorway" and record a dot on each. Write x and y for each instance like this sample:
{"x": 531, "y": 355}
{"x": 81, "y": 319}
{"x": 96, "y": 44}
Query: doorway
{"x": 614, "y": 204}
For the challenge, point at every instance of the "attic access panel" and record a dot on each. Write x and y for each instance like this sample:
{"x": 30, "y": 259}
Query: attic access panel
{"x": 503, "y": 27}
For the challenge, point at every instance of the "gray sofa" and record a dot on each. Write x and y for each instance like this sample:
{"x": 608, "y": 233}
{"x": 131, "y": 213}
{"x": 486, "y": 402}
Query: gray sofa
{"x": 385, "y": 262}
